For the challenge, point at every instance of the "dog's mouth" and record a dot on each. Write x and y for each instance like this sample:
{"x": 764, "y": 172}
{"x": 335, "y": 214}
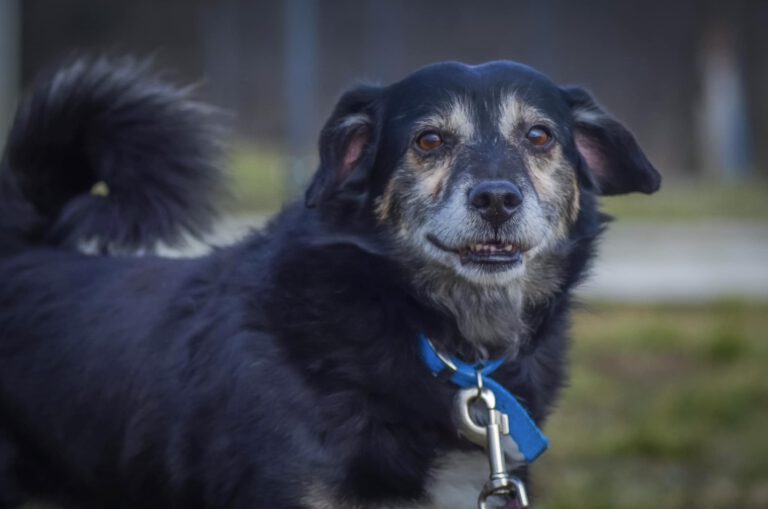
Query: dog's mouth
{"x": 497, "y": 254}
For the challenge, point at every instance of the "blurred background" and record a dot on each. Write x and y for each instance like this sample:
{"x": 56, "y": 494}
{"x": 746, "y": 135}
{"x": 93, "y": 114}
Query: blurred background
{"x": 668, "y": 405}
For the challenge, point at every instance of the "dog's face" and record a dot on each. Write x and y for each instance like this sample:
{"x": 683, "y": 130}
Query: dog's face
{"x": 475, "y": 169}
{"x": 477, "y": 175}
{"x": 484, "y": 180}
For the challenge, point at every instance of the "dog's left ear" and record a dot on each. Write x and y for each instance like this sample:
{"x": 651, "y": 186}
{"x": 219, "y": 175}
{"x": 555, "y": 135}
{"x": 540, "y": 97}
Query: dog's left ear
{"x": 616, "y": 164}
{"x": 347, "y": 147}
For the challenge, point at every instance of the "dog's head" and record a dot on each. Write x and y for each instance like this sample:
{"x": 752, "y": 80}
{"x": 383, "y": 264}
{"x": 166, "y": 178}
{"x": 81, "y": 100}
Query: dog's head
{"x": 475, "y": 171}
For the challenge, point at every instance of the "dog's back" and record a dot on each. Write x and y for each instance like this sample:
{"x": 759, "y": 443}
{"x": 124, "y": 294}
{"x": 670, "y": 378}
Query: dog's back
{"x": 102, "y": 157}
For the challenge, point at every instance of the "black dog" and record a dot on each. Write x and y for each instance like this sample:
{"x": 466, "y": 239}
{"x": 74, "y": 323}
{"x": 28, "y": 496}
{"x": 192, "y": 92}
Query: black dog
{"x": 284, "y": 372}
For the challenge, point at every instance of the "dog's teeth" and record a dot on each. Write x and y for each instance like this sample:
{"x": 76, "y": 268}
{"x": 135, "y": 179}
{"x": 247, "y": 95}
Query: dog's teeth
{"x": 489, "y": 248}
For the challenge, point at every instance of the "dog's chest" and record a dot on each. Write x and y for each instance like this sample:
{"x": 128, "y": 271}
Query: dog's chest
{"x": 454, "y": 482}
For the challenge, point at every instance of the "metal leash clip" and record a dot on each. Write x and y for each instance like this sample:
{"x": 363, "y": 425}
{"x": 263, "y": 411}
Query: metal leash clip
{"x": 500, "y": 483}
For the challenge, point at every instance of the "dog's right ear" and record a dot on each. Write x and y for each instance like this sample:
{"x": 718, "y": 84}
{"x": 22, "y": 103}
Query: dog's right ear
{"x": 347, "y": 147}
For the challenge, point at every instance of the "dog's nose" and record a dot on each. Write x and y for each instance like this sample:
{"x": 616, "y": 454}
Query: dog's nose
{"x": 496, "y": 200}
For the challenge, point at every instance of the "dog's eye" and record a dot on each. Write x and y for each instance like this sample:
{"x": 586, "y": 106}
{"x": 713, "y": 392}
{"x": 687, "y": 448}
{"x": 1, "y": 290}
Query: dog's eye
{"x": 539, "y": 135}
{"x": 429, "y": 140}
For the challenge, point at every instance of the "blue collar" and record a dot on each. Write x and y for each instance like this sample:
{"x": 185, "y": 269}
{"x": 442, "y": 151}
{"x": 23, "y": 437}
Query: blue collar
{"x": 528, "y": 437}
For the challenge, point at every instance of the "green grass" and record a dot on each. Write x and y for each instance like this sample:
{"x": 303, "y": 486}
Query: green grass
{"x": 667, "y": 409}
{"x": 258, "y": 179}
{"x": 686, "y": 201}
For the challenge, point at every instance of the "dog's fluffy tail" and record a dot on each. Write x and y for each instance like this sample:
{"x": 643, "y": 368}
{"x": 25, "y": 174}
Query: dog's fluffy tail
{"x": 105, "y": 154}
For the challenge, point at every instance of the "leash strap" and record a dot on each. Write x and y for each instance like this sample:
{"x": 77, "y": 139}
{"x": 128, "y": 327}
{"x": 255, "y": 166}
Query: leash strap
{"x": 528, "y": 437}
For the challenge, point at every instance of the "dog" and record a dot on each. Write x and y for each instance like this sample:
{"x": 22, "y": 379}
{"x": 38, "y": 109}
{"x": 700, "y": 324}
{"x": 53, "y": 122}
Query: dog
{"x": 459, "y": 204}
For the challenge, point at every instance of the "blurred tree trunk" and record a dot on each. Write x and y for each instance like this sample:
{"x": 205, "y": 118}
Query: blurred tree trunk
{"x": 9, "y": 63}
{"x": 756, "y": 70}
{"x": 299, "y": 85}
{"x": 222, "y": 58}
{"x": 384, "y": 42}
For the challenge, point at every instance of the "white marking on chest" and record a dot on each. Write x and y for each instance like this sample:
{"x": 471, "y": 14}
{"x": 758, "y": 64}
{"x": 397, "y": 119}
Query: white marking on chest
{"x": 455, "y": 481}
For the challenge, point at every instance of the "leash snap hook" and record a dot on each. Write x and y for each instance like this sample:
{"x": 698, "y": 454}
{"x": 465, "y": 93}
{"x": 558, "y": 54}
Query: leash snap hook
{"x": 462, "y": 418}
{"x": 511, "y": 487}
{"x": 500, "y": 483}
